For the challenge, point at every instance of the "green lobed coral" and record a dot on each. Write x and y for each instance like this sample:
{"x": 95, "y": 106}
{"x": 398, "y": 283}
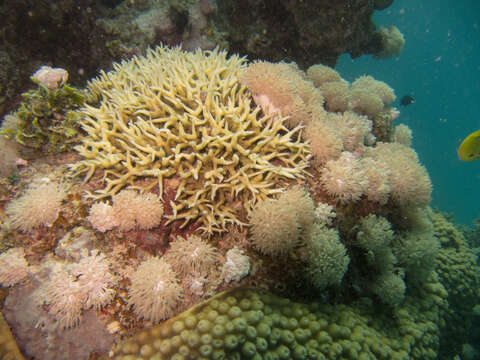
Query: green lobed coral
{"x": 250, "y": 324}
{"x": 46, "y": 119}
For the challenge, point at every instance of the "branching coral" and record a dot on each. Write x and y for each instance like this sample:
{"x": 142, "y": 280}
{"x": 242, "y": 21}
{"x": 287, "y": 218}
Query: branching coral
{"x": 173, "y": 113}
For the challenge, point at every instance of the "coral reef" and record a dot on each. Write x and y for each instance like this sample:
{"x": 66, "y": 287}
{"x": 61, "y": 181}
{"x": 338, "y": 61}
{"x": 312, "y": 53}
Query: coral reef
{"x": 284, "y": 196}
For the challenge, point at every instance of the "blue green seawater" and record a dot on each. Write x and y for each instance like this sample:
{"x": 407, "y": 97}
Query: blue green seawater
{"x": 440, "y": 67}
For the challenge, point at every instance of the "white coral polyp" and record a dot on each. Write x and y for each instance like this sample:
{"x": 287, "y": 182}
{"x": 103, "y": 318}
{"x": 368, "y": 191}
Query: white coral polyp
{"x": 39, "y": 205}
{"x": 154, "y": 292}
{"x": 345, "y": 178}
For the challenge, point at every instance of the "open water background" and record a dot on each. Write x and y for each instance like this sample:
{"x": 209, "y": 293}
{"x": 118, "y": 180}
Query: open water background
{"x": 440, "y": 67}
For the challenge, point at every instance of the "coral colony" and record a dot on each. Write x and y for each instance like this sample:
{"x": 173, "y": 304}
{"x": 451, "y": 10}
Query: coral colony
{"x": 207, "y": 207}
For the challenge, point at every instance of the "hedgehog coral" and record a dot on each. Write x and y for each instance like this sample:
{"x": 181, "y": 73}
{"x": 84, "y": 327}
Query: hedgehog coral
{"x": 39, "y": 205}
{"x": 173, "y": 113}
{"x": 154, "y": 291}
{"x": 13, "y": 267}
{"x": 191, "y": 256}
{"x": 345, "y": 178}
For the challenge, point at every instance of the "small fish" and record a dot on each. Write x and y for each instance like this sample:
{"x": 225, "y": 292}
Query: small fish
{"x": 469, "y": 149}
{"x": 407, "y": 100}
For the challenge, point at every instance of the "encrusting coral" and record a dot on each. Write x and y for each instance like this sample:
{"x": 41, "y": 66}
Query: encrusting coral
{"x": 248, "y": 324}
{"x": 174, "y": 114}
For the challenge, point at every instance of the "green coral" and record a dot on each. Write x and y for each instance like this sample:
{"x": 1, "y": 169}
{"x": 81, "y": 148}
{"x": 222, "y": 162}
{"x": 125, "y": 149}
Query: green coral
{"x": 47, "y": 118}
{"x": 456, "y": 269}
{"x": 249, "y": 324}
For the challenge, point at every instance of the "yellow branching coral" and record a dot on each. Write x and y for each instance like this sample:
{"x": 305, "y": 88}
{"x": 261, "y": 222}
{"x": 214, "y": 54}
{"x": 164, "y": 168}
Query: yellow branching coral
{"x": 185, "y": 115}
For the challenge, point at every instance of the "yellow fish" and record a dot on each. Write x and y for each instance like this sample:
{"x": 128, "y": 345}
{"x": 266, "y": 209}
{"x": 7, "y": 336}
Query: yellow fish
{"x": 469, "y": 149}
